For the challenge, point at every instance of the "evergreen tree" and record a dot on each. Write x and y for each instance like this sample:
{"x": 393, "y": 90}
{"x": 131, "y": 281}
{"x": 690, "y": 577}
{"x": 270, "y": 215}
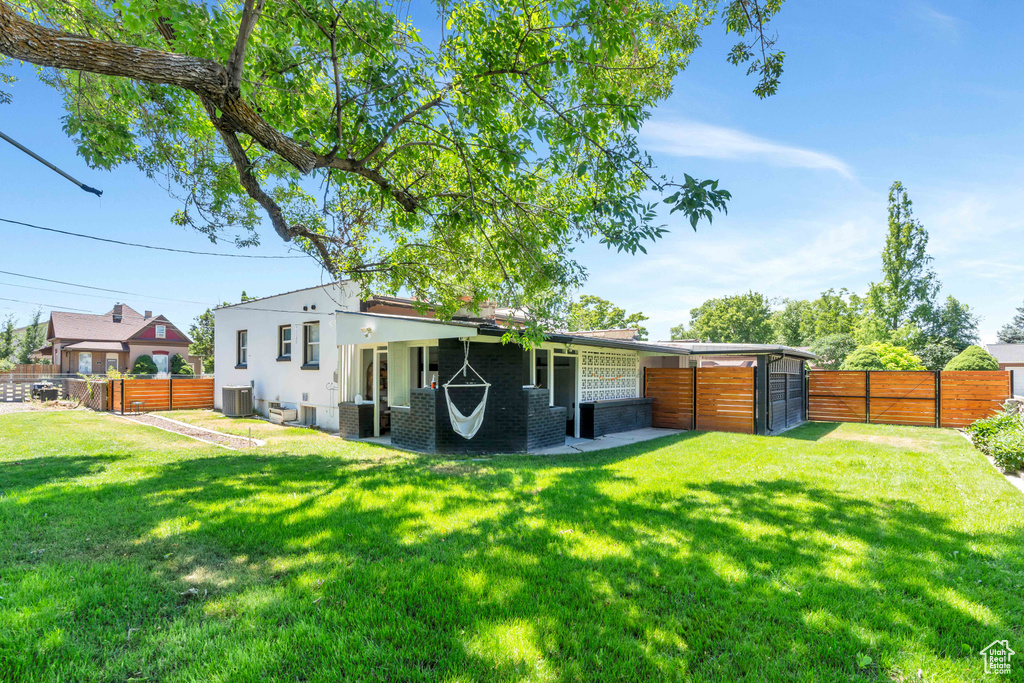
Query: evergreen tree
{"x": 1013, "y": 332}
{"x": 35, "y": 335}
{"x": 7, "y": 338}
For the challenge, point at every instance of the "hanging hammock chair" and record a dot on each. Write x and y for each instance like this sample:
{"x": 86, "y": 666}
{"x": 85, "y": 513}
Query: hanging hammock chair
{"x": 466, "y": 426}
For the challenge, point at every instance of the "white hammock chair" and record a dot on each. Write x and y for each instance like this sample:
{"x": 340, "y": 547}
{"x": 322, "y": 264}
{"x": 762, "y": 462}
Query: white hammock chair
{"x": 466, "y": 426}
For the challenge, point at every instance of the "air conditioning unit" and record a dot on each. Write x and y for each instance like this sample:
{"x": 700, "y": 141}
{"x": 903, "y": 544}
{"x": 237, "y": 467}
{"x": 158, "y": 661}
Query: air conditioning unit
{"x": 237, "y": 401}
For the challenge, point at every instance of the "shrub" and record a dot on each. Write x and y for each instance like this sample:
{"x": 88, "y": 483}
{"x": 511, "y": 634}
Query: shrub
{"x": 179, "y": 366}
{"x": 6, "y": 365}
{"x": 144, "y": 365}
{"x": 863, "y": 358}
{"x": 973, "y": 358}
{"x": 882, "y": 356}
{"x": 1001, "y": 437}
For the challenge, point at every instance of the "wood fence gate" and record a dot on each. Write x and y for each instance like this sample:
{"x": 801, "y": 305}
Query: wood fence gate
{"x": 922, "y": 398}
{"x": 719, "y": 399}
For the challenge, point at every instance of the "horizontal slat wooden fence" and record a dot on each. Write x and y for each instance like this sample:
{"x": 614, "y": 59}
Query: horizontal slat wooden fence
{"x": 932, "y": 399}
{"x": 719, "y": 399}
{"x": 672, "y": 391}
{"x": 146, "y": 395}
{"x": 969, "y": 396}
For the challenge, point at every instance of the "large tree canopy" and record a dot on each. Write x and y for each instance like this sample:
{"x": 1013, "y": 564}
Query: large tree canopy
{"x": 461, "y": 156}
{"x": 595, "y": 313}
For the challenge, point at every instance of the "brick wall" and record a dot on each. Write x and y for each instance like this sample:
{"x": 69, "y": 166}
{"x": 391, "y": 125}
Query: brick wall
{"x": 415, "y": 428}
{"x": 609, "y": 417}
{"x": 355, "y": 421}
{"x": 545, "y": 425}
{"x": 504, "y": 426}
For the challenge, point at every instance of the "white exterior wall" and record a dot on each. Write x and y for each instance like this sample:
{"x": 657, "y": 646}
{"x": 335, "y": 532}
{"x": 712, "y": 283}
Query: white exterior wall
{"x": 284, "y": 381}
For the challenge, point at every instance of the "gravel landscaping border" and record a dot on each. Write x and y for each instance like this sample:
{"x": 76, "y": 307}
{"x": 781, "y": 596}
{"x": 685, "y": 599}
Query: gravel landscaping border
{"x": 228, "y": 441}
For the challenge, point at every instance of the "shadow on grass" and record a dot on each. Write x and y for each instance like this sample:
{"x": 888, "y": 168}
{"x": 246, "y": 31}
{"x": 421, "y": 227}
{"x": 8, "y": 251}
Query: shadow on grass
{"x": 522, "y": 568}
{"x": 17, "y": 475}
{"x": 809, "y": 431}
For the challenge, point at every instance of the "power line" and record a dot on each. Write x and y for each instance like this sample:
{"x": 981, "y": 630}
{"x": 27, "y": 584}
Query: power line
{"x": 36, "y": 303}
{"x": 102, "y": 289}
{"x": 145, "y": 246}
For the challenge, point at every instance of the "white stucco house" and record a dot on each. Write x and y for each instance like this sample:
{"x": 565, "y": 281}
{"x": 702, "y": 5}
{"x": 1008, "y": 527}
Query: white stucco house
{"x": 381, "y": 367}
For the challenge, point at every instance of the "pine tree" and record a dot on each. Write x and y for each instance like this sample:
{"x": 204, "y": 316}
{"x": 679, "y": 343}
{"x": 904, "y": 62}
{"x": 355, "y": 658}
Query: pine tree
{"x": 1013, "y": 332}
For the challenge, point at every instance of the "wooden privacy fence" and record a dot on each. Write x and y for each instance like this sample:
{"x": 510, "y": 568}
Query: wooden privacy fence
{"x": 145, "y": 395}
{"x": 717, "y": 399}
{"x": 933, "y": 399}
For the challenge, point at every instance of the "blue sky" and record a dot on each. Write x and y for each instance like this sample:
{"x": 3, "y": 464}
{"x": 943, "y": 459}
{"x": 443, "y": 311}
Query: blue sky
{"x": 929, "y": 93}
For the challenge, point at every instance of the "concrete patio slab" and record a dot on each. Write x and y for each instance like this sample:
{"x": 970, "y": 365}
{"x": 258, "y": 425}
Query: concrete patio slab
{"x": 573, "y": 445}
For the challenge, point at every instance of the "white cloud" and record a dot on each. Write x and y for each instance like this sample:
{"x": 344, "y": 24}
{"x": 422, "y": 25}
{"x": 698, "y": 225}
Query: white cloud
{"x": 944, "y": 25}
{"x": 694, "y": 139}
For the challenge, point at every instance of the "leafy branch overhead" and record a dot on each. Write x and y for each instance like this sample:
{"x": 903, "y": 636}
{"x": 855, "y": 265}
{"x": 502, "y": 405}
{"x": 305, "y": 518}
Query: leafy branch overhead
{"x": 462, "y": 155}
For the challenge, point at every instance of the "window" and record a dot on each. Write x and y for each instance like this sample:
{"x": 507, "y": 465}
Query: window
{"x": 243, "y": 349}
{"x": 85, "y": 362}
{"x": 161, "y": 360}
{"x": 161, "y": 331}
{"x": 284, "y": 342}
{"x": 311, "y": 344}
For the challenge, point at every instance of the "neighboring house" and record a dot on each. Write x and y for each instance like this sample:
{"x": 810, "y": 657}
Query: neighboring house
{"x": 365, "y": 368}
{"x": 91, "y": 344}
{"x": 1010, "y": 357}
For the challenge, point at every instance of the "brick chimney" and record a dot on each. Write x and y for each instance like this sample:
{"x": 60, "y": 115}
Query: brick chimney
{"x": 118, "y": 310}
{"x": 149, "y": 314}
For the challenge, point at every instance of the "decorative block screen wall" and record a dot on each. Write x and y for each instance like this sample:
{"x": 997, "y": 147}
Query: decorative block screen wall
{"x": 608, "y": 375}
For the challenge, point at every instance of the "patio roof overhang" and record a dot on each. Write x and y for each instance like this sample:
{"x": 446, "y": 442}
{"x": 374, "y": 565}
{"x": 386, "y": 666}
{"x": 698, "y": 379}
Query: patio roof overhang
{"x": 380, "y": 328}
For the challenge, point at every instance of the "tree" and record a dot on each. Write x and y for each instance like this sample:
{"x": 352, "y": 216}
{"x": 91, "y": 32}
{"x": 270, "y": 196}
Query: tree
{"x": 790, "y": 323}
{"x": 954, "y": 323}
{"x": 888, "y": 356}
{"x": 936, "y": 354}
{"x": 973, "y": 358}
{"x": 1013, "y": 331}
{"x": 832, "y": 313}
{"x": 595, "y": 313}
{"x": 7, "y": 338}
{"x": 833, "y": 349}
{"x": 201, "y": 332}
{"x": 459, "y": 157}
{"x": 680, "y": 333}
{"x": 32, "y": 339}
{"x": 743, "y": 318}
{"x": 907, "y": 291}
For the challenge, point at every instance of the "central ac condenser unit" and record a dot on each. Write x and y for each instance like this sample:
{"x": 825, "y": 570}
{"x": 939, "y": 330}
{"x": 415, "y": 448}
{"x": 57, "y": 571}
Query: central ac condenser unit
{"x": 237, "y": 401}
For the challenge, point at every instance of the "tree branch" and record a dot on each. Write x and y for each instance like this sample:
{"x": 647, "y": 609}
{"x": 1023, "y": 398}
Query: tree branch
{"x": 250, "y": 15}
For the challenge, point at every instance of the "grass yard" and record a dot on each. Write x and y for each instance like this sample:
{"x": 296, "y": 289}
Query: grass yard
{"x": 832, "y": 553}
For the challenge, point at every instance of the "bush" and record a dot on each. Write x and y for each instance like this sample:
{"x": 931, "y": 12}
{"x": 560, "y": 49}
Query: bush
{"x": 882, "y": 356}
{"x": 863, "y": 358}
{"x": 973, "y": 358}
{"x": 6, "y": 365}
{"x": 179, "y": 366}
{"x": 144, "y": 365}
{"x": 1001, "y": 437}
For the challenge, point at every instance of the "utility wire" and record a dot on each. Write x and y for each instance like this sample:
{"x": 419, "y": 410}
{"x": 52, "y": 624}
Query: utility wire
{"x": 36, "y": 303}
{"x": 145, "y": 246}
{"x": 26, "y": 150}
{"x": 103, "y": 289}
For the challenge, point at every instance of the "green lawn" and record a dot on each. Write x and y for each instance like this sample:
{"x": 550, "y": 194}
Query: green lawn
{"x": 706, "y": 557}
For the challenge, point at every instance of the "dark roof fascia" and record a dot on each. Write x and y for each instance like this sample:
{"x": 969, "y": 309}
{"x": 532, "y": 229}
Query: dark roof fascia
{"x": 599, "y": 342}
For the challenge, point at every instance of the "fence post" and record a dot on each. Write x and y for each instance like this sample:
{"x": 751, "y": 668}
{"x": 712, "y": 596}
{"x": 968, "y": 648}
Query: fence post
{"x": 938, "y": 398}
{"x": 867, "y": 397}
{"x": 693, "y": 395}
{"x": 170, "y": 394}
{"x": 122, "y": 395}
{"x": 761, "y": 395}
